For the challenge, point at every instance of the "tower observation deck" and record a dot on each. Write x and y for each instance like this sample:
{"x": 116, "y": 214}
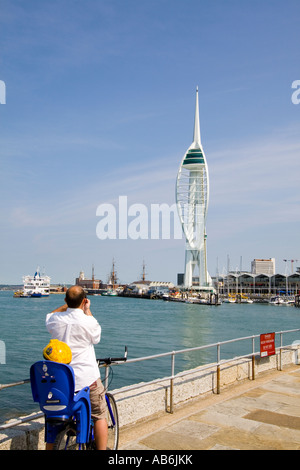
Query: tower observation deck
{"x": 192, "y": 195}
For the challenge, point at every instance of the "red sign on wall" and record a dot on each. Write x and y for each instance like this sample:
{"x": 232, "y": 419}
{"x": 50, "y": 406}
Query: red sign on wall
{"x": 267, "y": 344}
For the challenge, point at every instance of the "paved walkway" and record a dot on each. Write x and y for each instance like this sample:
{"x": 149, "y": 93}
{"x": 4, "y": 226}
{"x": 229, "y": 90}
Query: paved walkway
{"x": 256, "y": 415}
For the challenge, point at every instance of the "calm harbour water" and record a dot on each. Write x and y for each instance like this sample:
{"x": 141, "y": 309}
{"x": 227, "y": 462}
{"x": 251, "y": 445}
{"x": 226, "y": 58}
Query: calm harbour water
{"x": 147, "y": 327}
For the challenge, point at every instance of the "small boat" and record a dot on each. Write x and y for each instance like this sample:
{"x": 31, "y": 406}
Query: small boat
{"x": 21, "y": 294}
{"x": 110, "y": 293}
{"x": 173, "y": 298}
{"x": 246, "y": 300}
{"x": 238, "y": 299}
{"x": 277, "y": 300}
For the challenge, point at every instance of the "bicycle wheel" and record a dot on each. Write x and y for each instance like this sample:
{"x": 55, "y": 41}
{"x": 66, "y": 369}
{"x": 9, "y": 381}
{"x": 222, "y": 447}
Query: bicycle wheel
{"x": 66, "y": 439}
{"x": 113, "y": 422}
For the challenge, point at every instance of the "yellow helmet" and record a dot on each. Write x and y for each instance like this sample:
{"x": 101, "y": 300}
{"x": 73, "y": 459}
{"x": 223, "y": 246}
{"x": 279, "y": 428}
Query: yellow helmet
{"x": 57, "y": 351}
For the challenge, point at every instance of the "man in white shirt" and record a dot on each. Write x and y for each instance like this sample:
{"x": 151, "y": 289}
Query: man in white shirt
{"x": 74, "y": 324}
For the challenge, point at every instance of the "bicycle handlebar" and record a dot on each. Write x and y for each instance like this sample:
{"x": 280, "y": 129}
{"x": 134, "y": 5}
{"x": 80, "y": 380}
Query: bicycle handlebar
{"x": 112, "y": 360}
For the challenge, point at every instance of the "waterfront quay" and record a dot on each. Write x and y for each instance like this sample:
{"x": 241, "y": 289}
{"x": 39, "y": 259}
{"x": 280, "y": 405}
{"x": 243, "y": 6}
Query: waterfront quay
{"x": 248, "y": 403}
{"x": 254, "y": 415}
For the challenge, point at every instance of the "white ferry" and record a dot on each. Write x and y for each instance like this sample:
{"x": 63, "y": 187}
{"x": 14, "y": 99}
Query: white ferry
{"x": 36, "y": 286}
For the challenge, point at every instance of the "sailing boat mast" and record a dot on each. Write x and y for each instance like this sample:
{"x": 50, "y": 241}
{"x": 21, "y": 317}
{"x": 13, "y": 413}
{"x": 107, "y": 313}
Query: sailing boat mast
{"x": 144, "y": 271}
{"x": 113, "y": 275}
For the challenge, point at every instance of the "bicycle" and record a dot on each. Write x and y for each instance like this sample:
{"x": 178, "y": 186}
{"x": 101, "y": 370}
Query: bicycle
{"x": 68, "y": 423}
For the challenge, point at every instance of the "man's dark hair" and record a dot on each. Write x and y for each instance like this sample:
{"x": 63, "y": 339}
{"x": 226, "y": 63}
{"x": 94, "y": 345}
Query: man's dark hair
{"x": 74, "y": 296}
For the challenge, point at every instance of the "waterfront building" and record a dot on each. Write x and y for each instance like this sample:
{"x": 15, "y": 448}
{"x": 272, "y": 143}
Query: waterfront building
{"x": 57, "y": 289}
{"x": 192, "y": 195}
{"x": 263, "y": 266}
{"x": 260, "y": 285}
{"x": 88, "y": 283}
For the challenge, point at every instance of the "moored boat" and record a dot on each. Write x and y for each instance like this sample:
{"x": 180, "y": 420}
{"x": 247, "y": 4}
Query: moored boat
{"x": 110, "y": 293}
{"x": 20, "y": 293}
{"x": 277, "y": 300}
{"x": 37, "y": 285}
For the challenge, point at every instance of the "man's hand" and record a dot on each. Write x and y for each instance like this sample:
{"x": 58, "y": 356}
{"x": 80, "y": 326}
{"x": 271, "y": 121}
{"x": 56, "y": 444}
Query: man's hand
{"x": 86, "y": 307}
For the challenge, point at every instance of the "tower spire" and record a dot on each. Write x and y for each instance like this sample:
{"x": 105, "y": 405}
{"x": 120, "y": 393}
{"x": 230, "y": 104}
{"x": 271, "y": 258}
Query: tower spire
{"x": 192, "y": 194}
{"x": 197, "y": 138}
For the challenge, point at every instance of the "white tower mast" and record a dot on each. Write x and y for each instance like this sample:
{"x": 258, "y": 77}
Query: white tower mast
{"x": 192, "y": 194}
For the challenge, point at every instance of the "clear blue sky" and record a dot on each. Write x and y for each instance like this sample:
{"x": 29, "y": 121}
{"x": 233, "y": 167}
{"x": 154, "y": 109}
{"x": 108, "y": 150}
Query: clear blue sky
{"x": 100, "y": 102}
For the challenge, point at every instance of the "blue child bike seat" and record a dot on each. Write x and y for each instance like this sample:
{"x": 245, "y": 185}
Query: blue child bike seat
{"x": 53, "y": 387}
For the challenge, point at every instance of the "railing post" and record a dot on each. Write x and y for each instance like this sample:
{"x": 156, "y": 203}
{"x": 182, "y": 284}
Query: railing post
{"x": 218, "y": 369}
{"x": 280, "y": 352}
{"x": 172, "y": 383}
{"x": 253, "y": 358}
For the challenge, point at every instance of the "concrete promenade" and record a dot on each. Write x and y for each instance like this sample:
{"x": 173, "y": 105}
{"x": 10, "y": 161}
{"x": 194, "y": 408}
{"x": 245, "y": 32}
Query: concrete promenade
{"x": 254, "y": 415}
{"x": 248, "y": 414}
